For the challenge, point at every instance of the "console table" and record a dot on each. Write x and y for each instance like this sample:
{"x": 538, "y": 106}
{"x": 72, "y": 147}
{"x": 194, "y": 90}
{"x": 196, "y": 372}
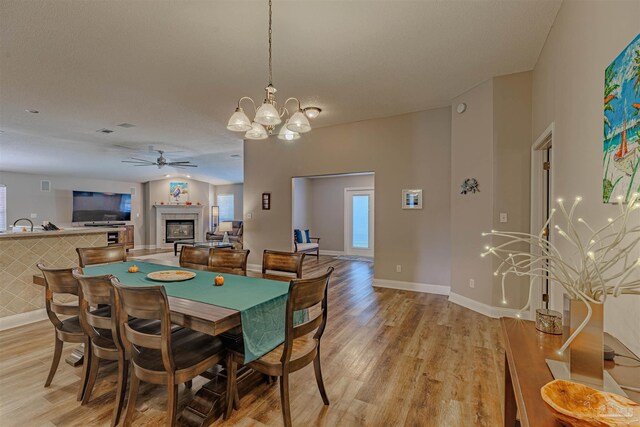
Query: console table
{"x": 526, "y": 371}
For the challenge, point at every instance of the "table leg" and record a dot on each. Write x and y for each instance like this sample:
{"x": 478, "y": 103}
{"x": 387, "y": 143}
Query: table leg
{"x": 209, "y": 403}
{"x": 175, "y": 249}
{"x": 76, "y": 357}
{"x": 510, "y": 406}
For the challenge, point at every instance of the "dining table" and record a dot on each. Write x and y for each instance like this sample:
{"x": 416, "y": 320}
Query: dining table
{"x": 247, "y": 310}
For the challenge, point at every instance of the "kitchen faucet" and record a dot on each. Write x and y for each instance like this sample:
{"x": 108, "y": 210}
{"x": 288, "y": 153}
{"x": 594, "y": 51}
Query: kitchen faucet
{"x": 25, "y": 219}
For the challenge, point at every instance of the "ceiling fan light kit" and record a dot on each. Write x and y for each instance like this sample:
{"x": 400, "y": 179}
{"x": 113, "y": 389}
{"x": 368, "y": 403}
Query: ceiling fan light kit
{"x": 267, "y": 116}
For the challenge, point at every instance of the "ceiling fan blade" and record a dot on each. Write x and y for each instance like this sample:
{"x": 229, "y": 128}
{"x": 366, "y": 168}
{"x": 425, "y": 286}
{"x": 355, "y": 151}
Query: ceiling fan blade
{"x": 146, "y": 164}
{"x": 140, "y": 160}
{"x": 135, "y": 161}
{"x": 182, "y": 165}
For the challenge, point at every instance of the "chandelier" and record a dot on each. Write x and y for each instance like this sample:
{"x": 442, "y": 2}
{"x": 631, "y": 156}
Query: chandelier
{"x": 267, "y": 116}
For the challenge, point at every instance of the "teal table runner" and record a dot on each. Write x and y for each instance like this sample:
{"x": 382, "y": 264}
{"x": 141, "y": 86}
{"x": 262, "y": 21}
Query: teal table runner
{"x": 261, "y": 302}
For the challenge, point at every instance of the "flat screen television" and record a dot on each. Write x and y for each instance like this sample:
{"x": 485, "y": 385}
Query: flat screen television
{"x": 102, "y": 207}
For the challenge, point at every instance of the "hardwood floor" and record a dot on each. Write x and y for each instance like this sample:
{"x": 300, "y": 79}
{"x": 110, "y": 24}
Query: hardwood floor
{"x": 389, "y": 358}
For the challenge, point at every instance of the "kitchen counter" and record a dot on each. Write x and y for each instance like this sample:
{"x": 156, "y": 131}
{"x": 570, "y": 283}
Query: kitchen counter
{"x": 20, "y": 252}
{"x": 62, "y": 232}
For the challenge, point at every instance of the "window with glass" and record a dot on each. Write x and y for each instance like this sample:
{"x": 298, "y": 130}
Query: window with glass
{"x": 225, "y": 204}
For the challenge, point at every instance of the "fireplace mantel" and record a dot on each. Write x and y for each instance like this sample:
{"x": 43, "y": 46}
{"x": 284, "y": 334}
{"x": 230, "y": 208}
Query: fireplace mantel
{"x": 185, "y": 212}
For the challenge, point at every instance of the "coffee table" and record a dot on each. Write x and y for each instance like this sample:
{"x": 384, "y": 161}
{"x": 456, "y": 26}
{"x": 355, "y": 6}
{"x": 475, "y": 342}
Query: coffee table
{"x": 207, "y": 244}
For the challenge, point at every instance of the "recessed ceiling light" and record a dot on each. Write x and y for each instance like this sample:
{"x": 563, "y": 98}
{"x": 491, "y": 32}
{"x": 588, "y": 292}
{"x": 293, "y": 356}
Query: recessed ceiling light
{"x": 312, "y": 112}
{"x": 32, "y": 111}
{"x": 235, "y": 156}
{"x": 105, "y": 130}
{"x": 126, "y": 125}
{"x": 167, "y": 176}
{"x": 188, "y": 176}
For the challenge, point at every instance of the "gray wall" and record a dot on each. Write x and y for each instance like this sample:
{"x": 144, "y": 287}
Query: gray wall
{"x": 491, "y": 141}
{"x": 24, "y": 198}
{"x": 301, "y": 201}
{"x": 406, "y": 151}
{"x": 568, "y": 81}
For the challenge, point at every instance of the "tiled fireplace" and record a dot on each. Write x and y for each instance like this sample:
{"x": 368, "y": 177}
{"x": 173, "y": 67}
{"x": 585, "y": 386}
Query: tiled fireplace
{"x": 174, "y": 221}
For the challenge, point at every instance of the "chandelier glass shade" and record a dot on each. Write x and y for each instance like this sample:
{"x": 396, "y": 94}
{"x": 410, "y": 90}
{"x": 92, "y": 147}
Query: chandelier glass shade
{"x": 239, "y": 122}
{"x": 268, "y": 116}
{"x": 286, "y": 134}
{"x": 257, "y": 131}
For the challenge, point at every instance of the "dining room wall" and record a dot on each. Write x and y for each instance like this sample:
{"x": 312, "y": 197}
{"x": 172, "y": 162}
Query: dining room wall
{"x": 405, "y": 151}
{"x": 568, "y": 85}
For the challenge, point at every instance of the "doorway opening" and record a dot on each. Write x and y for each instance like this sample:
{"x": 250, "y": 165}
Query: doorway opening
{"x": 338, "y": 209}
{"x": 541, "y": 206}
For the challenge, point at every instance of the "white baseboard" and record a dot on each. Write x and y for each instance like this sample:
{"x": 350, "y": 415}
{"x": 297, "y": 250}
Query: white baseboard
{"x": 254, "y": 267}
{"x": 20, "y": 319}
{"x": 331, "y": 253}
{"x": 412, "y": 286}
{"x": 487, "y": 310}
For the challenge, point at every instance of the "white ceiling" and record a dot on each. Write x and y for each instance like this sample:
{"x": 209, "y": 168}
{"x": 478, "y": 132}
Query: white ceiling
{"x": 176, "y": 68}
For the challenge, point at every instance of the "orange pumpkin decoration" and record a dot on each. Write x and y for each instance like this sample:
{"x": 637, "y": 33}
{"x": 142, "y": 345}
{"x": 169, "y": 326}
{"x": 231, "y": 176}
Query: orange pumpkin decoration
{"x": 133, "y": 269}
{"x": 219, "y": 280}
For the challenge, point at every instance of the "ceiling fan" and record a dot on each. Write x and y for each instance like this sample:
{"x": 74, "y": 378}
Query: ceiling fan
{"x": 160, "y": 162}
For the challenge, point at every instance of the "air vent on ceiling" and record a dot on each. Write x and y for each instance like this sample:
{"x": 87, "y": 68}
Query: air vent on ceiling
{"x": 45, "y": 186}
{"x": 126, "y": 125}
{"x": 105, "y": 131}
{"x": 235, "y": 156}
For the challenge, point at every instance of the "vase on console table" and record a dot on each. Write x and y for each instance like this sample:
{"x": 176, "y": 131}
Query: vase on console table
{"x": 586, "y": 353}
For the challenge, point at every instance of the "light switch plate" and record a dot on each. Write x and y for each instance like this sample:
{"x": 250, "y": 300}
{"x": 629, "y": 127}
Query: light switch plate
{"x": 249, "y": 215}
{"x": 503, "y": 217}
{"x": 34, "y": 216}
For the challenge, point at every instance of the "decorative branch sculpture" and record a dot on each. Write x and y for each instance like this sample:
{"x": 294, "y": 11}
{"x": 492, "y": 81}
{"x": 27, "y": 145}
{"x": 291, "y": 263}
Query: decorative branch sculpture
{"x": 604, "y": 262}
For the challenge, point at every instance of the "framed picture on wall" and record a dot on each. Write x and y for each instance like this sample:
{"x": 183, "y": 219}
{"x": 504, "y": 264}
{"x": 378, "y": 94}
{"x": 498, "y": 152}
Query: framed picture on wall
{"x": 266, "y": 201}
{"x": 412, "y": 199}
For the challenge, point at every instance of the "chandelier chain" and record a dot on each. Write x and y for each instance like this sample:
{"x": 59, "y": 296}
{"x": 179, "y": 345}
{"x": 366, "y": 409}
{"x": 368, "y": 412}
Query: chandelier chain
{"x": 270, "y": 31}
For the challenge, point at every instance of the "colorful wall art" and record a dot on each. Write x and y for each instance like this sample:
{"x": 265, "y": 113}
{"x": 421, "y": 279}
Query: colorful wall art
{"x": 178, "y": 192}
{"x": 621, "y": 157}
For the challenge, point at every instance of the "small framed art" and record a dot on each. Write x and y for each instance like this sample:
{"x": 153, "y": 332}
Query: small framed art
{"x": 266, "y": 201}
{"x": 412, "y": 199}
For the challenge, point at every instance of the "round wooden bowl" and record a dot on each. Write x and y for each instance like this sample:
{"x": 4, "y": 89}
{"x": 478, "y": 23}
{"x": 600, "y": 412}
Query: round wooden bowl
{"x": 577, "y": 405}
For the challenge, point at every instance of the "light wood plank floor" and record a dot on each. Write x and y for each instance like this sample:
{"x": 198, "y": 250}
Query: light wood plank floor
{"x": 389, "y": 357}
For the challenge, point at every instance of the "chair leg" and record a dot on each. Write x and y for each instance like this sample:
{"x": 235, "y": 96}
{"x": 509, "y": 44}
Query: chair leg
{"x": 284, "y": 399}
{"x": 123, "y": 377}
{"x": 57, "y": 352}
{"x": 133, "y": 396}
{"x": 231, "y": 385}
{"x": 93, "y": 374}
{"x": 172, "y": 404}
{"x": 188, "y": 384}
{"x": 318, "y": 371}
{"x": 86, "y": 364}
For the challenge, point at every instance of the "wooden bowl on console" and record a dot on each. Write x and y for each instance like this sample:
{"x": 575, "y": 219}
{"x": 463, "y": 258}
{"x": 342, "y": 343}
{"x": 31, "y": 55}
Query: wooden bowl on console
{"x": 577, "y": 405}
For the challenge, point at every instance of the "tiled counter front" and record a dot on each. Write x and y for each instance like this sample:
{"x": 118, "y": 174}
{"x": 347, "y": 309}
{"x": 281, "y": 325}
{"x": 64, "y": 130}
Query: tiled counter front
{"x": 19, "y": 257}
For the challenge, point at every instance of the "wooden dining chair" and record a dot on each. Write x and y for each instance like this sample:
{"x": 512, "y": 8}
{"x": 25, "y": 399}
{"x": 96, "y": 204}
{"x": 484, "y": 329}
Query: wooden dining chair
{"x": 282, "y": 262}
{"x": 60, "y": 281}
{"x": 166, "y": 358}
{"x": 100, "y": 329}
{"x": 232, "y": 261}
{"x": 301, "y": 343}
{"x": 194, "y": 258}
{"x": 101, "y": 255}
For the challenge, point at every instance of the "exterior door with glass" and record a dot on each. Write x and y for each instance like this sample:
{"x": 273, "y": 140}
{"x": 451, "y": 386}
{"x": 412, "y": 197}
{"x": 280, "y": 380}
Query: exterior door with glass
{"x": 358, "y": 221}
